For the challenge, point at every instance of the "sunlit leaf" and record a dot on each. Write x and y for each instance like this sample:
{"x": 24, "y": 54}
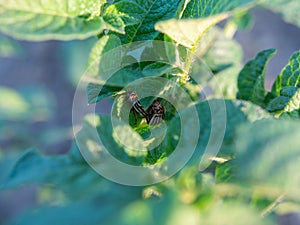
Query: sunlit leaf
{"x": 147, "y": 13}
{"x": 199, "y": 9}
{"x": 62, "y": 20}
{"x": 188, "y": 32}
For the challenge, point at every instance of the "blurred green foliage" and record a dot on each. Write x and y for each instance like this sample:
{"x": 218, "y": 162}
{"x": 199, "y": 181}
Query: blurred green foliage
{"x": 252, "y": 180}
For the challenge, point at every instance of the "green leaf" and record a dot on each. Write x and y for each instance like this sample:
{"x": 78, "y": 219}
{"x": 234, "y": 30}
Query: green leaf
{"x": 83, "y": 189}
{"x": 198, "y": 9}
{"x": 219, "y": 51}
{"x": 243, "y": 20}
{"x": 224, "y": 57}
{"x": 218, "y": 119}
{"x": 289, "y": 76}
{"x": 284, "y": 98}
{"x": 170, "y": 48}
{"x": 278, "y": 103}
{"x": 68, "y": 173}
{"x": 28, "y": 166}
{"x": 288, "y": 91}
{"x": 289, "y": 101}
{"x": 62, "y": 20}
{"x": 224, "y": 172}
{"x": 129, "y": 11}
{"x": 99, "y": 88}
{"x": 224, "y": 84}
{"x": 160, "y": 68}
{"x": 104, "y": 208}
{"x": 147, "y": 13}
{"x": 268, "y": 154}
{"x": 289, "y": 9}
{"x": 253, "y": 111}
{"x": 121, "y": 141}
{"x": 251, "y": 79}
{"x": 172, "y": 210}
{"x": 219, "y": 125}
{"x": 96, "y": 92}
{"x": 119, "y": 78}
{"x": 188, "y": 32}
{"x": 114, "y": 23}
{"x": 105, "y": 56}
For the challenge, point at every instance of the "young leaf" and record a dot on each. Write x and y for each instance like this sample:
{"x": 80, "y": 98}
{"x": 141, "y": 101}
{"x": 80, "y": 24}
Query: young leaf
{"x": 62, "y": 20}
{"x": 251, "y": 79}
{"x": 198, "y": 9}
{"x": 114, "y": 23}
{"x": 188, "y": 32}
{"x": 287, "y": 102}
{"x": 289, "y": 76}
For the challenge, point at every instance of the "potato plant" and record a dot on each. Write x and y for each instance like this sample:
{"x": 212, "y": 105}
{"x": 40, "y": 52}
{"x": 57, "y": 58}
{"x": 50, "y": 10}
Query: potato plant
{"x": 224, "y": 151}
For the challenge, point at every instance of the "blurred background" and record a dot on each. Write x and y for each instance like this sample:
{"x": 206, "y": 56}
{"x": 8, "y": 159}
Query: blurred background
{"x": 38, "y": 81}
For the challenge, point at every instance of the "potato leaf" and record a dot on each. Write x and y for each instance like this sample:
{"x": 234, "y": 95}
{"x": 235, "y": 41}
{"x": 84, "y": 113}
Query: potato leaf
{"x": 251, "y": 79}
{"x": 44, "y": 20}
{"x": 268, "y": 154}
{"x": 188, "y": 32}
{"x": 289, "y": 76}
{"x": 199, "y": 9}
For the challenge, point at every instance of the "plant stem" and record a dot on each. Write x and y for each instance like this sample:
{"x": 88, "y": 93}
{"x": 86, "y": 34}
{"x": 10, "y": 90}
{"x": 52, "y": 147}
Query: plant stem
{"x": 271, "y": 207}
